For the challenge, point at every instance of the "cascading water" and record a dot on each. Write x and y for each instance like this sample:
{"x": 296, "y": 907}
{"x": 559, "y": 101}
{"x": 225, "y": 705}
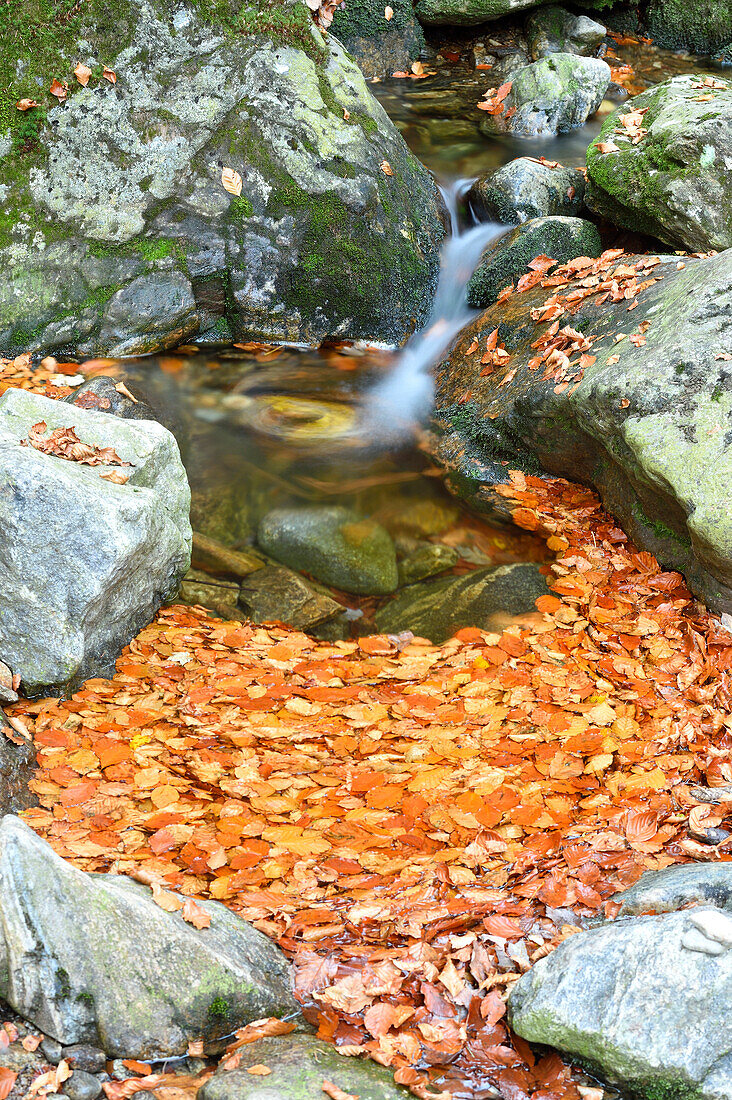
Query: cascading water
{"x": 406, "y": 395}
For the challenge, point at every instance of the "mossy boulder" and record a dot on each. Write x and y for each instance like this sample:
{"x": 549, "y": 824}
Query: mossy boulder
{"x": 701, "y": 26}
{"x": 561, "y": 239}
{"x": 643, "y": 1003}
{"x": 299, "y": 1066}
{"x": 552, "y": 29}
{"x": 116, "y": 232}
{"x": 646, "y": 423}
{"x": 551, "y": 96}
{"x": 676, "y": 183}
{"x": 467, "y": 13}
{"x": 381, "y": 46}
{"x": 335, "y": 545}
{"x": 93, "y": 959}
{"x": 525, "y": 188}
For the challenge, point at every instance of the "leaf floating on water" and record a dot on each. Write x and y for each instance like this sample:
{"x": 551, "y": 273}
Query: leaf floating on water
{"x": 231, "y": 181}
{"x": 82, "y": 74}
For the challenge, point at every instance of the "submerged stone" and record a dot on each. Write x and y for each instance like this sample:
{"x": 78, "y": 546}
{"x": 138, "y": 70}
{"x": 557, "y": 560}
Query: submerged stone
{"x": 561, "y": 239}
{"x": 275, "y": 594}
{"x": 117, "y": 234}
{"x": 425, "y": 562}
{"x": 92, "y": 959}
{"x": 86, "y": 561}
{"x": 335, "y": 545}
{"x": 676, "y": 182}
{"x": 525, "y": 189}
{"x": 485, "y": 598}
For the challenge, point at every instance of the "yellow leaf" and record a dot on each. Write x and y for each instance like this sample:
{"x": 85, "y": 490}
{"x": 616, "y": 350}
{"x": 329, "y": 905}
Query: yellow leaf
{"x": 231, "y": 181}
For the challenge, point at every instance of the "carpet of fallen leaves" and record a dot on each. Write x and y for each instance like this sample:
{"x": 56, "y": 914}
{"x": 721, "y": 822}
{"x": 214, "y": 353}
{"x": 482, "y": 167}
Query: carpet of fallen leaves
{"x": 415, "y": 824}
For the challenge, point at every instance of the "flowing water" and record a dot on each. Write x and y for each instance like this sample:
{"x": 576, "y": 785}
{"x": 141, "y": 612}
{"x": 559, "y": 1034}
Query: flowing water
{"x": 279, "y": 427}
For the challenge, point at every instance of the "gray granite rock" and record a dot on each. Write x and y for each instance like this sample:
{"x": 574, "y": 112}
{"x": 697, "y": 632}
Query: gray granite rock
{"x": 645, "y": 1002}
{"x": 85, "y": 562}
{"x": 502, "y": 264}
{"x": 676, "y": 183}
{"x": 118, "y": 236}
{"x": 552, "y": 29}
{"x": 674, "y": 888}
{"x": 93, "y": 959}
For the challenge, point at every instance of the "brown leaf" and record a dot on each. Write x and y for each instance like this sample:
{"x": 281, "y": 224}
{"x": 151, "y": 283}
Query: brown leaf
{"x": 26, "y": 104}
{"x": 337, "y": 1093}
{"x": 195, "y": 914}
{"x": 82, "y": 74}
{"x": 231, "y": 181}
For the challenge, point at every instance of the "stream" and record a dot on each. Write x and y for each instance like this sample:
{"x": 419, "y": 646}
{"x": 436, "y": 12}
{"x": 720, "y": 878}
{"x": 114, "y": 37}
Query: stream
{"x": 265, "y": 428}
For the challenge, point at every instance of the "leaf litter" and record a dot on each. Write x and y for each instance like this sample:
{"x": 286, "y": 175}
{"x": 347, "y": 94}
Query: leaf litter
{"x": 414, "y": 824}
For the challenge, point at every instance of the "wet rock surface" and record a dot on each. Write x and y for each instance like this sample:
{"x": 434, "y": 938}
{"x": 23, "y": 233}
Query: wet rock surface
{"x": 641, "y": 1001}
{"x": 657, "y": 453}
{"x": 276, "y": 594}
{"x": 105, "y": 555}
{"x": 321, "y": 240}
{"x": 676, "y": 182}
{"x": 136, "y": 980}
{"x": 524, "y": 189}
{"x": 17, "y": 767}
{"x": 560, "y": 239}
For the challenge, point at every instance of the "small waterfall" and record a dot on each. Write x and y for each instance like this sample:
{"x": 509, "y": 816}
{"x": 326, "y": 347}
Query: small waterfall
{"x": 405, "y": 397}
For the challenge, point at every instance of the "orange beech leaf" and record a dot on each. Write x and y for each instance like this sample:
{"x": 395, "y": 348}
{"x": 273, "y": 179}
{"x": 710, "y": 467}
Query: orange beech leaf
{"x": 337, "y": 1093}
{"x": 641, "y": 826}
{"x": 194, "y": 914}
{"x": 8, "y": 1077}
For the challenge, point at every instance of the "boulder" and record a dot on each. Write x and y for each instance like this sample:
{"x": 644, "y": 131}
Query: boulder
{"x": 483, "y": 598}
{"x": 117, "y": 232}
{"x": 675, "y": 888}
{"x": 646, "y": 422}
{"x": 561, "y": 239}
{"x": 701, "y": 26}
{"x": 425, "y": 562}
{"x": 215, "y": 594}
{"x": 300, "y": 1065}
{"x": 551, "y": 96}
{"x": 275, "y": 594}
{"x": 676, "y": 182}
{"x": 380, "y": 45}
{"x": 335, "y": 545}
{"x": 86, "y": 562}
{"x": 92, "y": 959}
{"x": 552, "y": 29}
{"x": 643, "y": 1002}
{"x": 466, "y": 13}
{"x": 523, "y": 189}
